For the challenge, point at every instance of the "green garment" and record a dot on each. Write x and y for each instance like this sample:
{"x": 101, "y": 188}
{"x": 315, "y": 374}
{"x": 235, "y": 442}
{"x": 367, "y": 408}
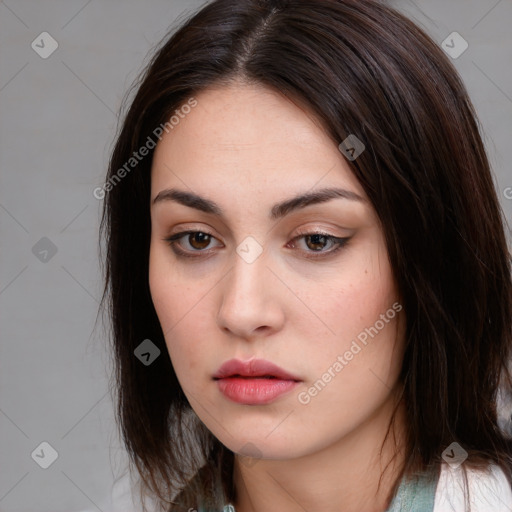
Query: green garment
{"x": 416, "y": 494}
{"x": 413, "y": 495}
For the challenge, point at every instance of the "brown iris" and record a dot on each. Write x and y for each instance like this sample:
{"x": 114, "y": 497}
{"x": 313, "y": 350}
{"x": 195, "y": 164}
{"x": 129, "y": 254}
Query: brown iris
{"x": 315, "y": 242}
{"x": 199, "y": 240}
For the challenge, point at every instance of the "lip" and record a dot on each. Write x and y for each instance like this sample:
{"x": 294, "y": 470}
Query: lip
{"x": 253, "y": 382}
{"x": 252, "y": 368}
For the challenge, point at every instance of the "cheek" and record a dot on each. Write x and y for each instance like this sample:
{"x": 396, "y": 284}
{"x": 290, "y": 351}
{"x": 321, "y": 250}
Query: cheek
{"x": 350, "y": 379}
{"x": 357, "y": 308}
{"x": 174, "y": 297}
{"x": 177, "y": 305}
{"x": 357, "y": 294}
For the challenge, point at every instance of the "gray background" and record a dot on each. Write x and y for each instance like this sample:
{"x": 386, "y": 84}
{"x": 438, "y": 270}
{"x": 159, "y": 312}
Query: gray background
{"x": 57, "y": 125}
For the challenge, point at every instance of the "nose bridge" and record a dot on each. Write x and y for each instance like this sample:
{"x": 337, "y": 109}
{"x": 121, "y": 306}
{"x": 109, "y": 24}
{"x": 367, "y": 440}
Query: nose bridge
{"x": 246, "y": 281}
{"x": 248, "y": 303}
{"x": 249, "y": 265}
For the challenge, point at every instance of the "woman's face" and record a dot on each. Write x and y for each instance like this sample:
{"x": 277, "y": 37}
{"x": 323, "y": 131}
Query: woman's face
{"x": 304, "y": 284}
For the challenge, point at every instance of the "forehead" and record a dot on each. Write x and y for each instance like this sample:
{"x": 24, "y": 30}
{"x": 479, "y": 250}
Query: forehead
{"x": 248, "y": 136}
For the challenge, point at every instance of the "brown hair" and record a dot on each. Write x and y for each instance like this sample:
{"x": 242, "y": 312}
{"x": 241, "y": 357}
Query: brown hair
{"x": 363, "y": 69}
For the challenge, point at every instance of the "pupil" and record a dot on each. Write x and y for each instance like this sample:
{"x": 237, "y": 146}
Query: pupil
{"x": 317, "y": 241}
{"x": 199, "y": 240}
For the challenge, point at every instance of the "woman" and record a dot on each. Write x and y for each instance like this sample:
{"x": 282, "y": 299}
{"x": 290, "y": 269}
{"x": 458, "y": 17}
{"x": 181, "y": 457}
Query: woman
{"x": 307, "y": 271}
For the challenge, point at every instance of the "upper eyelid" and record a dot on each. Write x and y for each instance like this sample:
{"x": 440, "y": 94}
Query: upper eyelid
{"x": 180, "y": 234}
{"x": 302, "y": 233}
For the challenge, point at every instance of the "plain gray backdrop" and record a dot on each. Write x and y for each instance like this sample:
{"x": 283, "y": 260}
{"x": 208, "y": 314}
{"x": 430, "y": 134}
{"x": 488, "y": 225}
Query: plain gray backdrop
{"x": 58, "y": 118}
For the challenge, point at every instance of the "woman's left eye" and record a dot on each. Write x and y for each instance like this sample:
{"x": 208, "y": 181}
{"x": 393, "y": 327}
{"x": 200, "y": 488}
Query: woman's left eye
{"x": 317, "y": 242}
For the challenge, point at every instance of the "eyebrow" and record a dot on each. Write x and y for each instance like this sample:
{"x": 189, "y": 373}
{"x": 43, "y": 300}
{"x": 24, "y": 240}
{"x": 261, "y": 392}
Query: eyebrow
{"x": 277, "y": 211}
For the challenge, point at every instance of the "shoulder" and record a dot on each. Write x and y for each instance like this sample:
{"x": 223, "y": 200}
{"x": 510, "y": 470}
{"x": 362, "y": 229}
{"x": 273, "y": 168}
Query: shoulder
{"x": 488, "y": 490}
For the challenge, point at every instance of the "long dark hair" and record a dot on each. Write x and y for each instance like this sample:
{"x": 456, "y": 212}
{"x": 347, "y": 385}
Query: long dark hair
{"x": 364, "y": 69}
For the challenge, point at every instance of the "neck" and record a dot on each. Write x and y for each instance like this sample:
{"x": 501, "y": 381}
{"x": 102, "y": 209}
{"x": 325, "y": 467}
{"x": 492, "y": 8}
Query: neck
{"x": 358, "y": 472}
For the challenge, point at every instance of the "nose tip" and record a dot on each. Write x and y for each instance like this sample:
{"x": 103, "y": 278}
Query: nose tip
{"x": 249, "y": 306}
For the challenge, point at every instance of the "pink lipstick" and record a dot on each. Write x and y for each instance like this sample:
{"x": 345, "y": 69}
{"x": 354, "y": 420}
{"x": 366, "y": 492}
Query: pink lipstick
{"x": 253, "y": 382}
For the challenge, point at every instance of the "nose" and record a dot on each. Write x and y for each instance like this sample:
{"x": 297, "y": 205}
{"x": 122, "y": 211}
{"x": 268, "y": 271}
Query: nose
{"x": 250, "y": 304}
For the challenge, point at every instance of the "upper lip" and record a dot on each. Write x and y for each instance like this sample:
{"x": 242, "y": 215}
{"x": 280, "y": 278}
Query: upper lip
{"x": 252, "y": 368}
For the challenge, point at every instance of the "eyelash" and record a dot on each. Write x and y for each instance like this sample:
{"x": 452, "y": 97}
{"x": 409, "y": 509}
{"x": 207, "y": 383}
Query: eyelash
{"x": 173, "y": 241}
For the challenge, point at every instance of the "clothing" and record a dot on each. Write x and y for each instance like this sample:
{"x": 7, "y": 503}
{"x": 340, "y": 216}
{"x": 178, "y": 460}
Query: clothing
{"x": 415, "y": 495}
{"x": 489, "y": 491}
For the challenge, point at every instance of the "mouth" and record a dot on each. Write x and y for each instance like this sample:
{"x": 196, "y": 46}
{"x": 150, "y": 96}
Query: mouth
{"x": 253, "y": 369}
{"x": 252, "y": 377}
{"x": 237, "y": 375}
{"x": 254, "y": 382}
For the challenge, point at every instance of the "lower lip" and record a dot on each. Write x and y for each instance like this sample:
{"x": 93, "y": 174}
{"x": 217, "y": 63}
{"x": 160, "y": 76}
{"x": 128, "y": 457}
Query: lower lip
{"x": 253, "y": 391}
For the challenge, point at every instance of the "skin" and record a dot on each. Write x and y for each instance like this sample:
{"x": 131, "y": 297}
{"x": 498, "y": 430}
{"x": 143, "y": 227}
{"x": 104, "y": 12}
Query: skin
{"x": 246, "y": 148}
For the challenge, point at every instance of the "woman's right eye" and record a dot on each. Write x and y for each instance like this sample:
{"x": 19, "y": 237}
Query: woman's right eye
{"x": 187, "y": 242}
